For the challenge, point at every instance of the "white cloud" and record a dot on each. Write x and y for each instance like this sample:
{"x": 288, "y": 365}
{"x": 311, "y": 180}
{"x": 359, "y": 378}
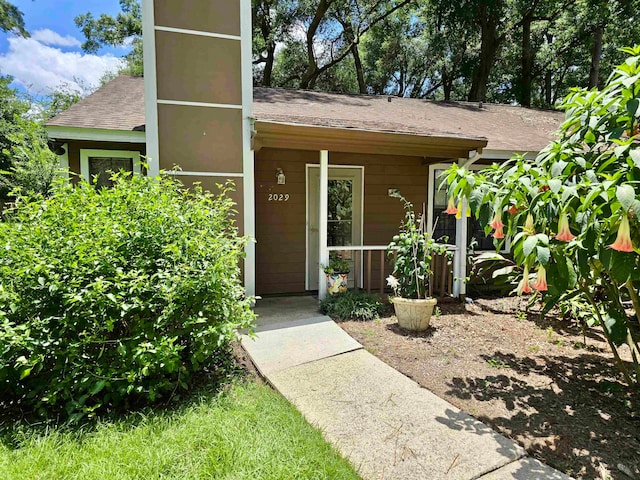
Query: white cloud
{"x": 39, "y": 67}
{"x": 49, "y": 37}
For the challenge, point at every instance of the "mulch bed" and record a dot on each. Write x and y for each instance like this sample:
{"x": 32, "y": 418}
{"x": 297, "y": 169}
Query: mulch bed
{"x": 537, "y": 380}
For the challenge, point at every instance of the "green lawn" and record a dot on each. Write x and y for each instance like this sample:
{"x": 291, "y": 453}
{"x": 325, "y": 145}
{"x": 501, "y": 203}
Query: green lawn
{"x": 248, "y": 432}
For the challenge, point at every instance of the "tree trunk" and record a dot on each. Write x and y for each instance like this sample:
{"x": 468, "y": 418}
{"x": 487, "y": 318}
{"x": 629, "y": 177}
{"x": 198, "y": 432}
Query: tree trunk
{"x": 488, "y": 49}
{"x": 362, "y": 85}
{"x": 447, "y": 84}
{"x": 312, "y": 71}
{"x": 548, "y": 78}
{"x": 596, "y": 53}
{"x": 268, "y": 66}
{"x": 526, "y": 64}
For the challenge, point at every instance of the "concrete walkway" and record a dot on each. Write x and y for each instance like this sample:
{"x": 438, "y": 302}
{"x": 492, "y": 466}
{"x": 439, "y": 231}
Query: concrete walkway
{"x": 384, "y": 423}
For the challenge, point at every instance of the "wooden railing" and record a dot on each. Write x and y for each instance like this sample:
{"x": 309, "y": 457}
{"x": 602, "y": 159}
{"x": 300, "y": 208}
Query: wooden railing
{"x": 371, "y": 264}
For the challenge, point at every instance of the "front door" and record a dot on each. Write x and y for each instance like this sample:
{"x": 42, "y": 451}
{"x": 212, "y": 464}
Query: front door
{"x": 344, "y": 223}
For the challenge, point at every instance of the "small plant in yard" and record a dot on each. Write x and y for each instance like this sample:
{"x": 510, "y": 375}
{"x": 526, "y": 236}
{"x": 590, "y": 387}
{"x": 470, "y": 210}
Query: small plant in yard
{"x": 353, "y": 305}
{"x": 413, "y": 250}
{"x": 573, "y": 213}
{"x": 115, "y": 297}
{"x": 337, "y": 264}
{"x": 496, "y": 363}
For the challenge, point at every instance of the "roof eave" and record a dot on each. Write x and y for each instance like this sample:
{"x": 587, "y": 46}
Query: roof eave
{"x": 311, "y": 137}
{"x": 95, "y": 134}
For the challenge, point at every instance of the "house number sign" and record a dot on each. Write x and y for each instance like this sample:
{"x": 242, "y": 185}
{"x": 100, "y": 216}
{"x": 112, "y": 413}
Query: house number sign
{"x": 278, "y": 197}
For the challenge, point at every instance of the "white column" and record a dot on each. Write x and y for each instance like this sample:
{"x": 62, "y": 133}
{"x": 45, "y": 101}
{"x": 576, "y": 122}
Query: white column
{"x": 460, "y": 256}
{"x": 150, "y": 88}
{"x": 323, "y": 254}
{"x": 248, "y": 158}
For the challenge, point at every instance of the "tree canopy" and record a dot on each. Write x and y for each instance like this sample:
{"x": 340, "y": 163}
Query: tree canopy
{"x": 509, "y": 51}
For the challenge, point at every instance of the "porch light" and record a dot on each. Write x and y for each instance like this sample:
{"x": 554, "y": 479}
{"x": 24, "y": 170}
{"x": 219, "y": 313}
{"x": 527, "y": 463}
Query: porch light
{"x": 282, "y": 180}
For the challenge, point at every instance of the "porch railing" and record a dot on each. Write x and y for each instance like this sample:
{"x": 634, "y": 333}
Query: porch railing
{"x": 370, "y": 264}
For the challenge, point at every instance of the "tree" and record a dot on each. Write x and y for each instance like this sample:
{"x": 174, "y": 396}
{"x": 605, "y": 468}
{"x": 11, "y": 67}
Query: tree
{"x": 12, "y": 108}
{"x": 573, "y": 213}
{"x": 11, "y": 19}
{"x": 123, "y": 29}
{"x": 272, "y": 23}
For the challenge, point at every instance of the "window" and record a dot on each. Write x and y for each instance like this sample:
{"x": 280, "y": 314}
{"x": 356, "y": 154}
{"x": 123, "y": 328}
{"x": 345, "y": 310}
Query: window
{"x": 96, "y": 165}
{"x": 445, "y": 224}
{"x": 340, "y": 213}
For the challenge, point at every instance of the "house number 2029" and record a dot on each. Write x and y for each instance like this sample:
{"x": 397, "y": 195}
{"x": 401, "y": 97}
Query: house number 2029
{"x": 278, "y": 197}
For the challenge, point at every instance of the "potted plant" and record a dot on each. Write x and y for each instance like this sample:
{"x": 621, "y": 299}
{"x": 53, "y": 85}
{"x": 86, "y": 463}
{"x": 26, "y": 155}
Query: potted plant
{"x": 414, "y": 250}
{"x": 337, "y": 274}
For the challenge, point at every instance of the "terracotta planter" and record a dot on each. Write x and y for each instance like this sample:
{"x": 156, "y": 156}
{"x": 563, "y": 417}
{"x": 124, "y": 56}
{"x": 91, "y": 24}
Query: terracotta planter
{"x": 414, "y": 314}
{"x": 337, "y": 283}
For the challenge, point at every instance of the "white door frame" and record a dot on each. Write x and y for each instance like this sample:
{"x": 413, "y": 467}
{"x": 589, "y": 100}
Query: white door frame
{"x": 307, "y": 172}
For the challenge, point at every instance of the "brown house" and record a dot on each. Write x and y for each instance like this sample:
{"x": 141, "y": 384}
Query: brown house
{"x": 314, "y": 171}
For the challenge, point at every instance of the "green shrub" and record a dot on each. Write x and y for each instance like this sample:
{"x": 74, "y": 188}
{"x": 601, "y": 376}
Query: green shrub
{"x": 353, "y": 305}
{"x": 114, "y": 297}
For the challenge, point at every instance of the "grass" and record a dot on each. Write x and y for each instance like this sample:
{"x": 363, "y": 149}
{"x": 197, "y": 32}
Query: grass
{"x": 247, "y": 432}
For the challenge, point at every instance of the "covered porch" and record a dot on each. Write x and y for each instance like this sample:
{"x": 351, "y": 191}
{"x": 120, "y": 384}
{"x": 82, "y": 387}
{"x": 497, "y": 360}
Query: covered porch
{"x": 320, "y": 190}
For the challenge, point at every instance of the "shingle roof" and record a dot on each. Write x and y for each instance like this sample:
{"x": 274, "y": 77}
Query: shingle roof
{"x": 119, "y": 105}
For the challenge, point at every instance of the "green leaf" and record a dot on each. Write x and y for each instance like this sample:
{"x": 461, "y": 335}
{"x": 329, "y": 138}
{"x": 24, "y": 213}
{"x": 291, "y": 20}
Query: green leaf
{"x": 632, "y": 106}
{"x": 97, "y": 388}
{"x": 555, "y": 185}
{"x": 543, "y": 254}
{"x": 625, "y": 195}
{"x": 529, "y": 244}
{"x": 635, "y": 156}
{"x": 25, "y": 373}
{"x": 615, "y": 324}
{"x": 558, "y": 167}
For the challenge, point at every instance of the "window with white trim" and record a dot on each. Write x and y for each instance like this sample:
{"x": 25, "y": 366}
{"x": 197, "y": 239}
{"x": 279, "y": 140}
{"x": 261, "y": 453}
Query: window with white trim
{"x": 444, "y": 225}
{"x": 97, "y": 166}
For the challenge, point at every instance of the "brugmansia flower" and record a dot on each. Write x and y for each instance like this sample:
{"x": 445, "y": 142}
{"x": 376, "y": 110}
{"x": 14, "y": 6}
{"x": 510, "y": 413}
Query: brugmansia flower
{"x": 541, "y": 280}
{"x": 451, "y": 207}
{"x": 459, "y": 212}
{"x": 513, "y": 210}
{"x": 496, "y": 223}
{"x": 499, "y": 233}
{"x": 523, "y": 286}
{"x": 623, "y": 241}
{"x": 393, "y": 282}
{"x": 529, "y": 228}
{"x": 564, "y": 232}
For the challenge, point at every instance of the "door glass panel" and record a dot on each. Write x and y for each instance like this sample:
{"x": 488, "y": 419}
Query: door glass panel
{"x": 340, "y": 213}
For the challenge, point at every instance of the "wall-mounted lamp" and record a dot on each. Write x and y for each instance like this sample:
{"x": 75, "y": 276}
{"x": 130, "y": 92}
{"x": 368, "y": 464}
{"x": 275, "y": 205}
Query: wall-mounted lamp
{"x": 282, "y": 180}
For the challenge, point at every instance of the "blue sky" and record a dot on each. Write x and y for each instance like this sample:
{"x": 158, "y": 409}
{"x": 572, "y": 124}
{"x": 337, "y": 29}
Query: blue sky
{"x": 52, "y": 55}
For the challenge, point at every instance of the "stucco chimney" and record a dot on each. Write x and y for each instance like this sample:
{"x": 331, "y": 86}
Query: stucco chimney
{"x": 198, "y": 94}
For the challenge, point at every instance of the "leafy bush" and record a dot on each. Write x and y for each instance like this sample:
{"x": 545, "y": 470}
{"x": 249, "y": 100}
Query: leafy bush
{"x": 114, "y": 297}
{"x": 353, "y": 305}
{"x": 573, "y": 213}
{"x": 34, "y": 166}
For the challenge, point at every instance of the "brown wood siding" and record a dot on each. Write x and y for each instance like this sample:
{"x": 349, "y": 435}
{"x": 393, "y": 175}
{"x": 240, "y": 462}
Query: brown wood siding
{"x": 281, "y": 227}
{"x": 75, "y": 146}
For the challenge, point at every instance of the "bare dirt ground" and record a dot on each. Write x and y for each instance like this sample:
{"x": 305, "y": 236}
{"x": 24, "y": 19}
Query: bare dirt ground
{"x": 536, "y": 380}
